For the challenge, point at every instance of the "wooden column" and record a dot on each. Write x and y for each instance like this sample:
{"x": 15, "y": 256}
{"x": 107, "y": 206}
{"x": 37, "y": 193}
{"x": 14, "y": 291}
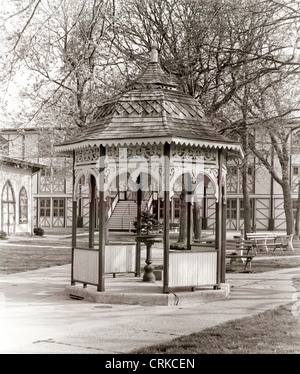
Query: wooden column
{"x": 74, "y": 222}
{"x": 221, "y": 223}
{"x": 166, "y": 238}
{"x": 92, "y": 210}
{"x": 102, "y": 217}
{"x": 218, "y": 223}
{"x": 223, "y": 219}
{"x": 297, "y": 224}
{"x": 138, "y": 229}
{"x": 189, "y": 214}
{"x": 223, "y": 240}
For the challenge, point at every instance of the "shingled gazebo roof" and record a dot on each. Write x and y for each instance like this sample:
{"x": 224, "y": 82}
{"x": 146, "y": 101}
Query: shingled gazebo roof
{"x": 151, "y": 110}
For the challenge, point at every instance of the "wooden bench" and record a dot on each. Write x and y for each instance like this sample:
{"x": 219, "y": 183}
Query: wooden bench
{"x": 268, "y": 240}
{"x": 235, "y": 249}
{"x": 283, "y": 242}
{"x": 261, "y": 239}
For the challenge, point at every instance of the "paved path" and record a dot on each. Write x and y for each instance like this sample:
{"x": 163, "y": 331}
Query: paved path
{"x": 37, "y": 317}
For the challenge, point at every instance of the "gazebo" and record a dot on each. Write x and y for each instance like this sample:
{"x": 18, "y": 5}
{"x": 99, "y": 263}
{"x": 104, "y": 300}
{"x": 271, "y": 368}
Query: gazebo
{"x": 147, "y": 140}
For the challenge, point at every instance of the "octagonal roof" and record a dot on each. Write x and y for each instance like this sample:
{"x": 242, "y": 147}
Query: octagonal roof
{"x": 151, "y": 110}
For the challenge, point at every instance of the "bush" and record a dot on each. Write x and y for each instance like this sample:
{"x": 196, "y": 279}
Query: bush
{"x": 3, "y": 234}
{"x": 149, "y": 224}
{"x": 38, "y": 231}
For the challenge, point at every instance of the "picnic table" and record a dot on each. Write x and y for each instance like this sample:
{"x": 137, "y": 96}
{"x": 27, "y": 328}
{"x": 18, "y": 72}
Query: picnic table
{"x": 271, "y": 240}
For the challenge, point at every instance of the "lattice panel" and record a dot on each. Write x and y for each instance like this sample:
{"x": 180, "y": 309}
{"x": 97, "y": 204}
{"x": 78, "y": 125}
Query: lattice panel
{"x": 45, "y": 184}
{"x": 279, "y": 215}
{"x": 69, "y": 207}
{"x": 58, "y": 185}
{"x": 262, "y": 214}
{"x": 295, "y": 182}
{"x": 231, "y": 180}
{"x": 45, "y": 222}
{"x": 85, "y": 212}
{"x": 211, "y": 213}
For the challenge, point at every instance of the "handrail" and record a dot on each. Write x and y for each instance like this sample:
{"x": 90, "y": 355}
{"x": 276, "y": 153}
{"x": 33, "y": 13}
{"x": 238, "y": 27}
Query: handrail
{"x": 113, "y": 205}
{"x": 125, "y": 211}
{"x": 150, "y": 202}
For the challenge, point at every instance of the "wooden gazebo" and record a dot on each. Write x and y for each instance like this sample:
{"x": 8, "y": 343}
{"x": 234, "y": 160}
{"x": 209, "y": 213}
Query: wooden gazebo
{"x": 147, "y": 138}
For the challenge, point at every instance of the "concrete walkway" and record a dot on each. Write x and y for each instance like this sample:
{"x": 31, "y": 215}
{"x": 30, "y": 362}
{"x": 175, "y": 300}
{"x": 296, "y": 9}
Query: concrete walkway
{"x": 36, "y": 315}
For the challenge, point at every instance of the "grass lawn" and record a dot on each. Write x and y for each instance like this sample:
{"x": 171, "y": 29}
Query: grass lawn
{"x": 275, "y": 331}
{"x": 260, "y": 265}
{"x": 32, "y": 254}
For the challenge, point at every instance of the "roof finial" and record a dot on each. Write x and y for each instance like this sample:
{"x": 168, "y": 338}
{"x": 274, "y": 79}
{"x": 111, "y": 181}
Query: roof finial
{"x": 154, "y": 53}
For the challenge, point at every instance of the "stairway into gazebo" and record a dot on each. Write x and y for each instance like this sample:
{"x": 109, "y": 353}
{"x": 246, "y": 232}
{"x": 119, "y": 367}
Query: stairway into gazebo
{"x": 123, "y": 215}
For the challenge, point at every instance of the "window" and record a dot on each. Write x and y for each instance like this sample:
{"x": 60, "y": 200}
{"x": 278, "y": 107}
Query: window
{"x": 23, "y": 206}
{"x": 8, "y": 207}
{"x": 161, "y": 208}
{"x": 58, "y": 207}
{"x": 8, "y": 193}
{"x": 46, "y": 172}
{"x": 231, "y": 208}
{"x": 45, "y": 208}
{"x": 295, "y": 170}
{"x": 176, "y": 208}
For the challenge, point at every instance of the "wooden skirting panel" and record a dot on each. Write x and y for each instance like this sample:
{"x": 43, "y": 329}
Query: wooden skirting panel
{"x": 192, "y": 268}
{"x": 118, "y": 259}
{"x": 85, "y": 266}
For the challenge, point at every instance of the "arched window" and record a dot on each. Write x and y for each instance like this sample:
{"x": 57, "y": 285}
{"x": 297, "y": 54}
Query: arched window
{"x": 23, "y": 206}
{"x": 8, "y": 208}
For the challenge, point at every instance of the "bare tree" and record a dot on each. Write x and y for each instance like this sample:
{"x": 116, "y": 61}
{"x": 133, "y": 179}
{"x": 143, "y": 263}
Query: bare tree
{"x": 63, "y": 50}
{"x": 220, "y": 52}
{"x": 227, "y": 54}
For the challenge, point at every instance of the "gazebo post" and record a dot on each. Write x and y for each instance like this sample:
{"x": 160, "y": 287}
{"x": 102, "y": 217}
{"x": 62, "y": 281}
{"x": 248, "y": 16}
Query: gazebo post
{"x": 166, "y": 238}
{"x": 74, "y": 222}
{"x": 102, "y": 214}
{"x": 220, "y": 222}
{"x": 223, "y": 247}
{"x": 92, "y": 212}
{"x": 138, "y": 231}
{"x": 223, "y": 203}
{"x": 189, "y": 214}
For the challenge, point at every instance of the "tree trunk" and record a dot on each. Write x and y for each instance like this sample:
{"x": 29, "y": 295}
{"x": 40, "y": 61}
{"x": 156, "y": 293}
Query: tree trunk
{"x": 283, "y": 181}
{"x": 246, "y": 198}
{"x": 288, "y": 208}
{"x": 245, "y": 172}
{"x": 196, "y": 221}
{"x": 297, "y": 228}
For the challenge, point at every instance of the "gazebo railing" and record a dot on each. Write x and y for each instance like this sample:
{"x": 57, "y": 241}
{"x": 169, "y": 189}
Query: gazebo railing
{"x": 197, "y": 268}
{"x": 119, "y": 258}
